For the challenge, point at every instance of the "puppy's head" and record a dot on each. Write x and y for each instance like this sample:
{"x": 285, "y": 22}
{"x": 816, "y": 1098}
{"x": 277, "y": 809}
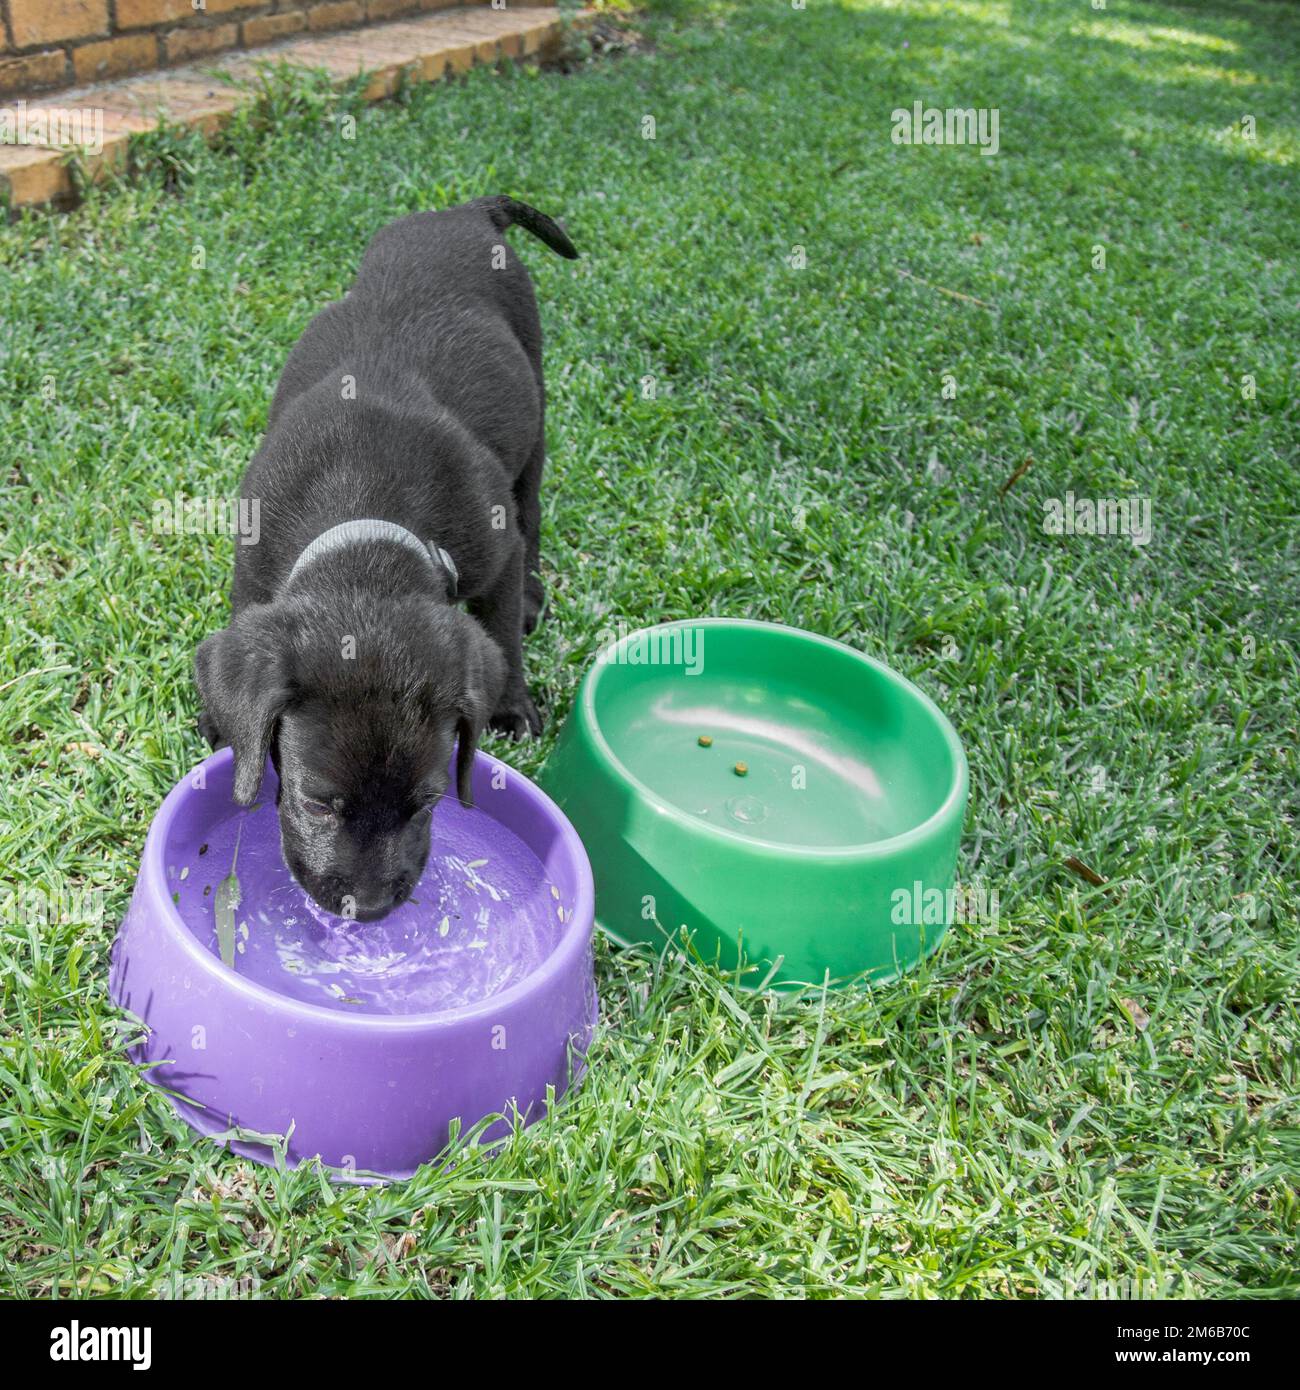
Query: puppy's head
{"x": 359, "y": 716}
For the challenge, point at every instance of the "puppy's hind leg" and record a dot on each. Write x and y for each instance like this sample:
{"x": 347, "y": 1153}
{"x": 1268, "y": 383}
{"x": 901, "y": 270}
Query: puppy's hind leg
{"x": 528, "y": 506}
{"x": 500, "y": 611}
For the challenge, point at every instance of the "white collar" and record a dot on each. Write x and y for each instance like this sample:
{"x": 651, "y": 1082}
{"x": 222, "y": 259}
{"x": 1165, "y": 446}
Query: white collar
{"x": 354, "y": 532}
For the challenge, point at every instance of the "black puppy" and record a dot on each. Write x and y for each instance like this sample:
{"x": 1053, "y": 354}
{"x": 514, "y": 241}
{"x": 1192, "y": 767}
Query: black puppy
{"x": 399, "y": 473}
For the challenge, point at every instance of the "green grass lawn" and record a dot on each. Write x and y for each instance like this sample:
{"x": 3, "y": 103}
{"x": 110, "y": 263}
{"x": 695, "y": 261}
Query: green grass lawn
{"x": 1097, "y": 1093}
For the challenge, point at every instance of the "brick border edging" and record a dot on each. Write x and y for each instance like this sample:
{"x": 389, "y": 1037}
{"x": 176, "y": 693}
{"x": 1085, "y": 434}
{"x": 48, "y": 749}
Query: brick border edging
{"x": 426, "y": 49}
{"x": 63, "y": 43}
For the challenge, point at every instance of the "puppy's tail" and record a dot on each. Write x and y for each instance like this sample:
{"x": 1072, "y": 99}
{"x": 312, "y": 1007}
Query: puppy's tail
{"x": 509, "y": 212}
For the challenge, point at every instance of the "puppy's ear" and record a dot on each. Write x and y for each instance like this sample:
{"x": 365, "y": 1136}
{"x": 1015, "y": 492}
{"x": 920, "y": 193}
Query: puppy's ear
{"x": 485, "y": 678}
{"x": 243, "y": 679}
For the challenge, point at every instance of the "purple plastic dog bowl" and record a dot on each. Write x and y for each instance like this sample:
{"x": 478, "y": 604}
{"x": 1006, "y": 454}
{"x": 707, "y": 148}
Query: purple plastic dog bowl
{"x": 360, "y": 1041}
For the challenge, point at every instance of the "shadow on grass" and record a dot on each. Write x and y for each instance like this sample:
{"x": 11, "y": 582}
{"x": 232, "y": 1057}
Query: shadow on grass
{"x": 1118, "y": 82}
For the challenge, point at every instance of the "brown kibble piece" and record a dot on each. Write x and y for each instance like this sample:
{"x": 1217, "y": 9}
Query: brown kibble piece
{"x": 742, "y": 769}
{"x": 705, "y": 741}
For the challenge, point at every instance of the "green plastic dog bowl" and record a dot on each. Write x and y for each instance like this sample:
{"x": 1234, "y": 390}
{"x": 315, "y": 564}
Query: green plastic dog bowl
{"x": 791, "y": 802}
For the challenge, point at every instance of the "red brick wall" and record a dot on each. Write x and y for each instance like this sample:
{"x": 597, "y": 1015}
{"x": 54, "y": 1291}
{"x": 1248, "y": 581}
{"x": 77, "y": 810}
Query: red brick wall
{"x": 60, "y": 43}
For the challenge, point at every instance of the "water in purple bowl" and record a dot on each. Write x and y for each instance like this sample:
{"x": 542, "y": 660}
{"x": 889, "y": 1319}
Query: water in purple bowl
{"x": 483, "y": 917}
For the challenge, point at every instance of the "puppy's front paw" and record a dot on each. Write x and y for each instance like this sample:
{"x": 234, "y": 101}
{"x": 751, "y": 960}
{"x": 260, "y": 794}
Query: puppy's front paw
{"x": 534, "y": 603}
{"x": 517, "y": 716}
